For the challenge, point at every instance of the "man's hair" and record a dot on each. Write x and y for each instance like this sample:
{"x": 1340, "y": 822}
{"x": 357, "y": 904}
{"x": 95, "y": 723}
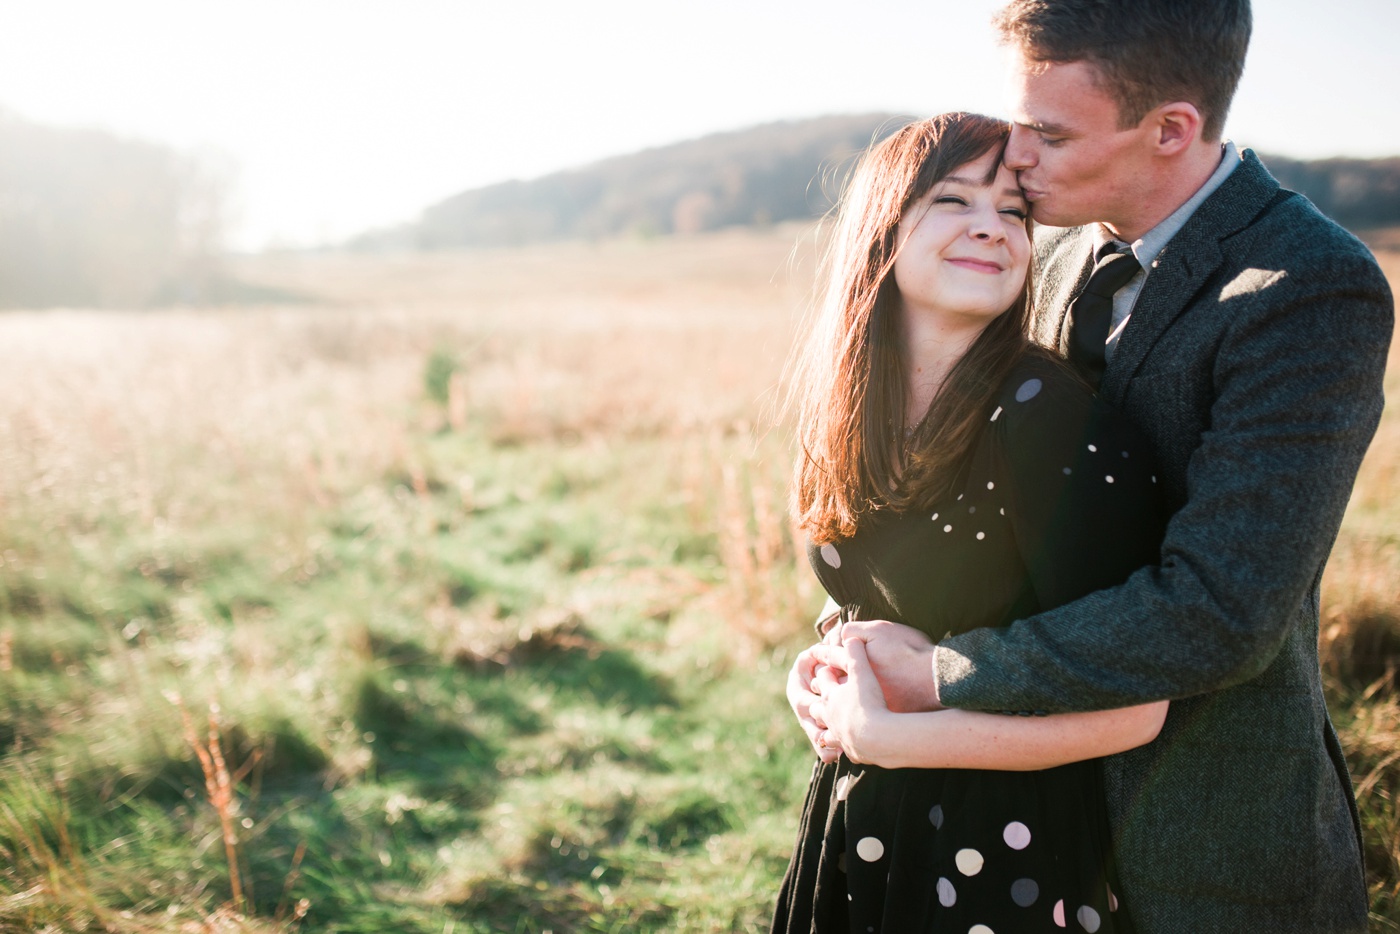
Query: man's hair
{"x": 1145, "y": 53}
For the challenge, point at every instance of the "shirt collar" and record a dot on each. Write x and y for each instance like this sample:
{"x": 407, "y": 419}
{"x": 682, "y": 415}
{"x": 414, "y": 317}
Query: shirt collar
{"x": 1146, "y": 247}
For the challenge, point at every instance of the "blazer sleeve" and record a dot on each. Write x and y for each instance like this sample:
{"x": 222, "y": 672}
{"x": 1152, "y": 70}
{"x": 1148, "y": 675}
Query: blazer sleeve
{"x": 1296, "y": 397}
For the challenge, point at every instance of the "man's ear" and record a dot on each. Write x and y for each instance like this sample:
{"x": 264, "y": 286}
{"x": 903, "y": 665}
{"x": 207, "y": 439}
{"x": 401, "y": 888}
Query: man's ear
{"x": 1176, "y": 125}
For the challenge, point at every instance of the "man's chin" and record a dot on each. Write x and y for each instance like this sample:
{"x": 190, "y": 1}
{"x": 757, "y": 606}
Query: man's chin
{"x": 1045, "y": 215}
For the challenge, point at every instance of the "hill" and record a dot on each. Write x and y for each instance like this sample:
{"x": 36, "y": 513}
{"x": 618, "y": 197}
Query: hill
{"x": 790, "y": 170}
{"x": 764, "y": 174}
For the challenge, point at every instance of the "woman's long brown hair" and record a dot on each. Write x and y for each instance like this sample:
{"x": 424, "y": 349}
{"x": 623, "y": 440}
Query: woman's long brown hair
{"x": 850, "y": 378}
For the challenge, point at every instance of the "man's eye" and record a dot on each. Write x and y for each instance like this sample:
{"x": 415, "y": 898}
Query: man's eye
{"x": 1052, "y": 140}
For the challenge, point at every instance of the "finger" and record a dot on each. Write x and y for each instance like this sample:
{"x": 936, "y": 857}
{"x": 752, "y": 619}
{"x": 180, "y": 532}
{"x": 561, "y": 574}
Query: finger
{"x": 817, "y": 713}
{"x": 863, "y": 628}
{"x": 832, "y": 655}
{"x": 859, "y": 661}
{"x": 861, "y": 674}
{"x": 826, "y": 679}
{"x": 799, "y": 690}
{"x": 823, "y": 743}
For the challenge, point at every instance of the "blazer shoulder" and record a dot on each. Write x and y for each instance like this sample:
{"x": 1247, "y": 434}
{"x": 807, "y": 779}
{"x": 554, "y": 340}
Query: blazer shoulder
{"x": 1053, "y": 244}
{"x": 1286, "y": 226}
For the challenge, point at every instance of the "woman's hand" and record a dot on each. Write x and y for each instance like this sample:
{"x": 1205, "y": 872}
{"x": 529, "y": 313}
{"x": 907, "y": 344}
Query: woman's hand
{"x": 808, "y": 679}
{"x": 854, "y": 708}
{"x": 802, "y": 692}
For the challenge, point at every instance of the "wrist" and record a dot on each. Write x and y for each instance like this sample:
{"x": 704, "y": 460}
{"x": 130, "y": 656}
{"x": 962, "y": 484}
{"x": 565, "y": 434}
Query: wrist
{"x": 875, "y": 743}
{"x": 936, "y": 692}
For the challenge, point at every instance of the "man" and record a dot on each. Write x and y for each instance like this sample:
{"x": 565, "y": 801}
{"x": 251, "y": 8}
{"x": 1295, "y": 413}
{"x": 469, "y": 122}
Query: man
{"x": 1249, "y": 348}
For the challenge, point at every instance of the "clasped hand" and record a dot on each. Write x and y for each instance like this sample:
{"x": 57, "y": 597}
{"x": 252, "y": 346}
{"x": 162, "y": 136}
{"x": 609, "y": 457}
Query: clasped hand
{"x": 842, "y": 688}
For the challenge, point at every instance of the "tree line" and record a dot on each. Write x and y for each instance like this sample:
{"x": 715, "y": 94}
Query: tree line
{"x": 782, "y": 171}
{"x": 91, "y": 219}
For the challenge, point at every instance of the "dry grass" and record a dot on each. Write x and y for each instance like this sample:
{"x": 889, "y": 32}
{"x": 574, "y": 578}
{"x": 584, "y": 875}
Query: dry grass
{"x": 187, "y": 435}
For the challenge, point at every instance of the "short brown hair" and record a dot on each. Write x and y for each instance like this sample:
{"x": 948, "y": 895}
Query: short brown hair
{"x": 850, "y": 382}
{"x": 1146, "y": 52}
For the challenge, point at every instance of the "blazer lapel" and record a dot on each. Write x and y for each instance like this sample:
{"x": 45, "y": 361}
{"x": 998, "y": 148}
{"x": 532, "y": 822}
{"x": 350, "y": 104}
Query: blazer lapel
{"x": 1064, "y": 268}
{"x": 1184, "y": 266}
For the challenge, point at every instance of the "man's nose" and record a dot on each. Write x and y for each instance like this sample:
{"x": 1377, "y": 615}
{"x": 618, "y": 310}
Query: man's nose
{"x": 1020, "y": 153}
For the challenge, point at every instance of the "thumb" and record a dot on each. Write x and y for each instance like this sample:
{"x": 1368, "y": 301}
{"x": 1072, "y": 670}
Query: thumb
{"x": 862, "y": 675}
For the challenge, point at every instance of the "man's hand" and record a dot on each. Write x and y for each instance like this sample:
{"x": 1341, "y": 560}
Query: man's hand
{"x": 900, "y": 656}
{"x": 854, "y": 709}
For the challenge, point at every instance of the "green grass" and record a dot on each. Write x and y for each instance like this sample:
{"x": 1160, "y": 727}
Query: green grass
{"x": 487, "y": 589}
{"x": 464, "y": 715}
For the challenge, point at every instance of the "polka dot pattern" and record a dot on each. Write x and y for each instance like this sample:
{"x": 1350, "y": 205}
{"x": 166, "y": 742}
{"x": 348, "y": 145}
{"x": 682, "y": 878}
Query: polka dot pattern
{"x": 870, "y": 849}
{"x": 1017, "y": 835}
{"x": 968, "y": 861}
{"x": 831, "y": 556}
{"x": 1001, "y": 866}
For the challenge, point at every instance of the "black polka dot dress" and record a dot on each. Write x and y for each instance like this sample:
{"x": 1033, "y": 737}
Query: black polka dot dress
{"x": 1059, "y": 500}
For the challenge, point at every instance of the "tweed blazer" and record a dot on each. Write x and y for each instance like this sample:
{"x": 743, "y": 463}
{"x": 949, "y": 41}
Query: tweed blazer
{"x": 1253, "y": 364}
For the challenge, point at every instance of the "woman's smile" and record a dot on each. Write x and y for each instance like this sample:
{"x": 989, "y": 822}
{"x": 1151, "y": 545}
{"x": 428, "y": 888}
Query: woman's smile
{"x": 976, "y": 265}
{"x": 964, "y": 249}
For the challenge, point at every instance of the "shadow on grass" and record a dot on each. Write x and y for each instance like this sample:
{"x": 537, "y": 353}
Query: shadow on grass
{"x": 422, "y": 743}
{"x": 510, "y": 905}
{"x": 566, "y": 656}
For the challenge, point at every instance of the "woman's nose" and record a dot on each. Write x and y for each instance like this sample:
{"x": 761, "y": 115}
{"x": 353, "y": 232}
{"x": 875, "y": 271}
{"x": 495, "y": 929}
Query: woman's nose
{"x": 986, "y": 224}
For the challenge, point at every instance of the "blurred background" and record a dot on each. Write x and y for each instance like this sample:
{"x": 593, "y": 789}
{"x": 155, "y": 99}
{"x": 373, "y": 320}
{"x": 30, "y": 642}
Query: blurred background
{"x": 275, "y": 125}
{"x": 392, "y": 464}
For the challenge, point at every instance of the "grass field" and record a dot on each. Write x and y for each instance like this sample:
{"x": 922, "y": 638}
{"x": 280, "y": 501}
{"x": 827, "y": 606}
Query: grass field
{"x": 455, "y": 596}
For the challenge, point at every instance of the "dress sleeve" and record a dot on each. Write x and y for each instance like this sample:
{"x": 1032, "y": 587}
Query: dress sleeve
{"x": 1083, "y": 501}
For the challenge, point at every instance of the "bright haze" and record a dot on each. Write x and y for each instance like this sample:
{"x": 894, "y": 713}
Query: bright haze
{"x": 332, "y": 117}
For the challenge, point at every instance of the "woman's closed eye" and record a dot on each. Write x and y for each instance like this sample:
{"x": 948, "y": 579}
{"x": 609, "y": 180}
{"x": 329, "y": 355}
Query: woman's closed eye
{"x": 1018, "y": 213}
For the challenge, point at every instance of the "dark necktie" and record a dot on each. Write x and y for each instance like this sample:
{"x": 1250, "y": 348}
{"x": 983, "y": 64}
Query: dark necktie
{"x": 1092, "y": 312}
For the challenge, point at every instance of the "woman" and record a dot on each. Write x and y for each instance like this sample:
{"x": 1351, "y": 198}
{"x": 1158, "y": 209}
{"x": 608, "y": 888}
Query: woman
{"x": 954, "y": 476}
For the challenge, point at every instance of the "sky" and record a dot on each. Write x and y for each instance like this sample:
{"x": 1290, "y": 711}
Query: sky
{"x": 328, "y": 118}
